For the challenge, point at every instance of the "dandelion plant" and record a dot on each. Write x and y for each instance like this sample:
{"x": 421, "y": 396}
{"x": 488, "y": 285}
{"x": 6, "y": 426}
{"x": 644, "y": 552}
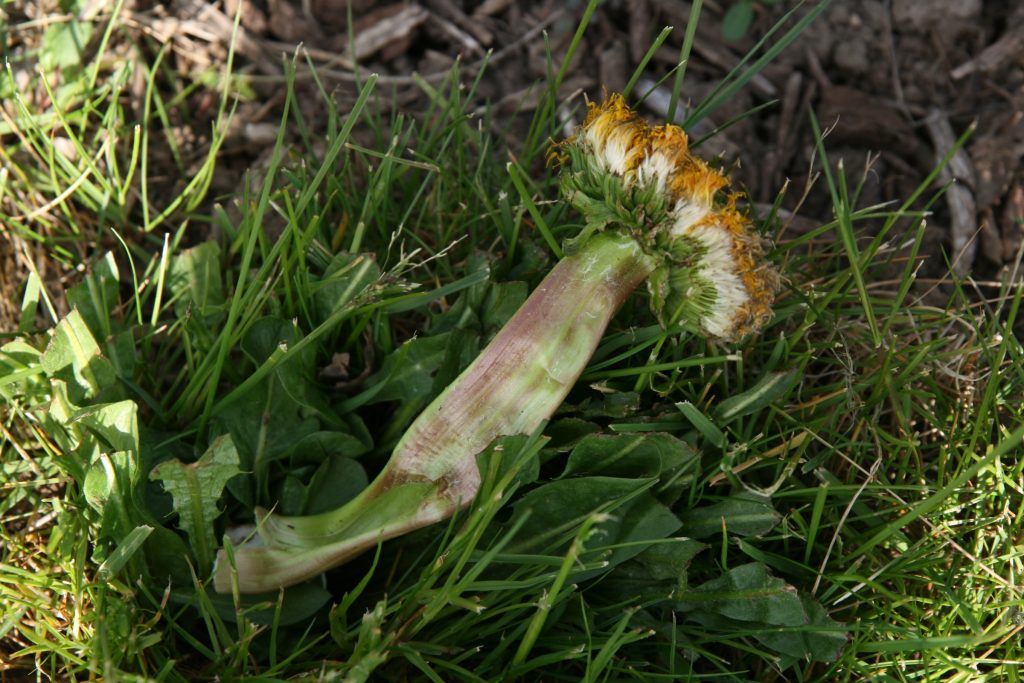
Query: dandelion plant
{"x": 652, "y": 213}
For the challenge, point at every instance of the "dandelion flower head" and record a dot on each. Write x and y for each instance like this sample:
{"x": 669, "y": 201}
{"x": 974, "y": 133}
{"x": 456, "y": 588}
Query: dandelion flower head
{"x": 619, "y": 171}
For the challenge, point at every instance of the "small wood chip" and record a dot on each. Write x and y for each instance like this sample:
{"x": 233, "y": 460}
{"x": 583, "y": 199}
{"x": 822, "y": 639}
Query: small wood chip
{"x": 639, "y": 29}
{"x": 788, "y": 126}
{"x": 612, "y": 66}
{"x": 727, "y": 61}
{"x": 491, "y": 7}
{"x": 997, "y": 154}
{"x": 1012, "y": 224}
{"x": 469, "y": 44}
{"x": 182, "y": 20}
{"x": 449, "y": 10}
{"x": 858, "y": 118}
{"x": 991, "y": 242}
{"x": 289, "y": 23}
{"x": 395, "y": 24}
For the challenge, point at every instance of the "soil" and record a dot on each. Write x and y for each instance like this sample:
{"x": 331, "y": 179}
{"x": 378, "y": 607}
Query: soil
{"x": 894, "y": 83}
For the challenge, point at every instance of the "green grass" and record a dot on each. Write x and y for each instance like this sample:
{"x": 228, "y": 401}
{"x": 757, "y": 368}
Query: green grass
{"x": 864, "y": 450}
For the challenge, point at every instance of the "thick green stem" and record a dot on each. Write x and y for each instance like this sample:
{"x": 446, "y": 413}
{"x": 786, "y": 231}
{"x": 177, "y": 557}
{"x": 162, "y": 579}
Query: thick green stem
{"x": 516, "y": 383}
{"x": 523, "y": 375}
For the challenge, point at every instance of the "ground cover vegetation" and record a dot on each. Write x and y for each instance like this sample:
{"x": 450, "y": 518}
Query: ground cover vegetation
{"x": 835, "y": 498}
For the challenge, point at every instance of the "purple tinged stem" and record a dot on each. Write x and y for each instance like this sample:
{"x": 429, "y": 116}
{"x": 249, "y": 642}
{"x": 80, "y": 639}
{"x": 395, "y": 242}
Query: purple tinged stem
{"x": 516, "y": 383}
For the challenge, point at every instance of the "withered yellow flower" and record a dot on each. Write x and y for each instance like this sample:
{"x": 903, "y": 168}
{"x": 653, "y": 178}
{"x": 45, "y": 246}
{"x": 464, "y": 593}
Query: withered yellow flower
{"x": 620, "y": 170}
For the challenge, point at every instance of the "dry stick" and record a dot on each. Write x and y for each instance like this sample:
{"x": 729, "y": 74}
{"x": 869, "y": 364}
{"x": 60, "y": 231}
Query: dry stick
{"x": 960, "y": 196}
{"x": 839, "y": 526}
{"x": 1009, "y": 46}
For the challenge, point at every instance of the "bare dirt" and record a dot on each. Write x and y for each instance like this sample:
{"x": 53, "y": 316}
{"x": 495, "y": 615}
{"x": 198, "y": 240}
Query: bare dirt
{"x": 895, "y": 83}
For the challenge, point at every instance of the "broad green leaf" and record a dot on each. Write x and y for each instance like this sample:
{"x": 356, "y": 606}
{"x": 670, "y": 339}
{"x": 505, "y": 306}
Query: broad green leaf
{"x": 790, "y": 623}
{"x": 29, "y": 302}
{"x": 296, "y": 375}
{"x": 297, "y": 605}
{"x": 461, "y": 349}
{"x": 290, "y": 495}
{"x": 745, "y": 514}
{"x": 167, "y": 558}
{"x": 635, "y": 526}
{"x": 617, "y": 405}
{"x": 408, "y": 372}
{"x": 631, "y": 455}
{"x": 335, "y": 482}
{"x": 768, "y": 389}
{"x": 820, "y": 638}
{"x": 265, "y": 424}
{"x": 567, "y": 432}
{"x": 670, "y": 560}
{"x": 196, "y": 488}
{"x": 122, "y": 352}
{"x": 702, "y": 424}
{"x": 747, "y": 593}
{"x": 484, "y": 306}
{"x": 156, "y": 446}
{"x": 654, "y": 576}
{"x": 555, "y": 511}
{"x": 195, "y": 281}
{"x": 347, "y": 276}
{"x": 512, "y": 452}
{"x": 73, "y": 356}
{"x": 125, "y": 550}
{"x": 58, "y": 416}
{"x": 115, "y": 423}
{"x": 316, "y": 447}
{"x": 267, "y": 334}
{"x": 96, "y": 296}
{"x": 502, "y": 301}
{"x": 737, "y": 20}
{"x": 20, "y": 367}
{"x": 101, "y": 482}
{"x": 108, "y": 488}
{"x": 64, "y": 44}
{"x": 18, "y": 355}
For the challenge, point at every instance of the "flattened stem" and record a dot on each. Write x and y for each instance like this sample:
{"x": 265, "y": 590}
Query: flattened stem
{"x": 516, "y": 383}
{"x": 524, "y": 374}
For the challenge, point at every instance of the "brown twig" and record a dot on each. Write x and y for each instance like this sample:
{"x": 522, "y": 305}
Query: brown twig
{"x": 960, "y": 195}
{"x": 1010, "y": 46}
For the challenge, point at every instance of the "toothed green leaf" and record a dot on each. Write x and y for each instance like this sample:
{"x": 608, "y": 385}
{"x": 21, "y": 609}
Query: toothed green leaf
{"x": 196, "y": 488}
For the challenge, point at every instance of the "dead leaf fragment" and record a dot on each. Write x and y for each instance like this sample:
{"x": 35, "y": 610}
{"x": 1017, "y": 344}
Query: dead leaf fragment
{"x": 855, "y": 117}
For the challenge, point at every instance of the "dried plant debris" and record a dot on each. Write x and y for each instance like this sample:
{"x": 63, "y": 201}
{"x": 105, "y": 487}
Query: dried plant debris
{"x": 871, "y": 70}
